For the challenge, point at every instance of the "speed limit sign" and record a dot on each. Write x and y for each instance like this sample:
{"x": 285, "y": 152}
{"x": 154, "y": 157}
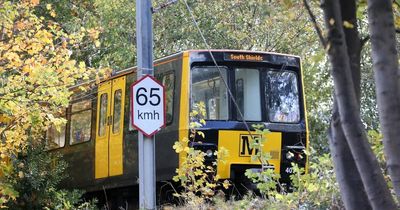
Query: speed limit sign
{"x": 148, "y": 105}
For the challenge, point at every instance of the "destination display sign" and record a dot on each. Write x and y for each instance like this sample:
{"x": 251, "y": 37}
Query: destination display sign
{"x": 244, "y": 57}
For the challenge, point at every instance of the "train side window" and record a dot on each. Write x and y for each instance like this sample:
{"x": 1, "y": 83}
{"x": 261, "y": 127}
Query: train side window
{"x": 81, "y": 121}
{"x": 55, "y": 136}
{"x": 103, "y": 114}
{"x": 117, "y": 111}
{"x": 168, "y": 81}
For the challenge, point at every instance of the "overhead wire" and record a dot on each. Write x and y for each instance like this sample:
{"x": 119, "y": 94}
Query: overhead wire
{"x": 219, "y": 69}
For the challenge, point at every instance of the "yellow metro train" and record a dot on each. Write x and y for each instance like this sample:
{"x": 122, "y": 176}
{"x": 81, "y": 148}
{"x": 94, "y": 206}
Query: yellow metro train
{"x": 101, "y": 146}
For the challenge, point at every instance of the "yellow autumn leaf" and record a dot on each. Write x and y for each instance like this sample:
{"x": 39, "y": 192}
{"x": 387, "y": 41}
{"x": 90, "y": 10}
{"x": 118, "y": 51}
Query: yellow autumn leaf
{"x": 397, "y": 21}
{"x": 34, "y": 2}
{"x": 331, "y": 21}
{"x": 312, "y": 187}
{"x": 186, "y": 149}
{"x": 185, "y": 140}
{"x": 34, "y": 48}
{"x": 226, "y": 184}
{"x": 279, "y": 196}
{"x": 82, "y": 65}
{"x": 21, "y": 174}
{"x": 291, "y": 15}
{"x": 347, "y": 24}
{"x": 26, "y": 69}
{"x": 177, "y": 147}
{"x": 20, "y": 25}
{"x": 200, "y": 133}
{"x": 53, "y": 13}
{"x": 97, "y": 43}
{"x": 93, "y": 33}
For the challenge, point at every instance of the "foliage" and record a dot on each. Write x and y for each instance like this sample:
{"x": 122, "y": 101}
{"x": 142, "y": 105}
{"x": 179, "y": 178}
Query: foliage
{"x": 314, "y": 190}
{"x": 376, "y": 141}
{"x": 113, "y": 25}
{"x": 199, "y": 180}
{"x": 266, "y": 180}
{"x": 36, "y": 73}
{"x": 34, "y": 176}
{"x": 8, "y": 193}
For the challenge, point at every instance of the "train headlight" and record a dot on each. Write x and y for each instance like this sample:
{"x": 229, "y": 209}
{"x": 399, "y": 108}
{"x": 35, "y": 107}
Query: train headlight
{"x": 209, "y": 153}
{"x": 289, "y": 155}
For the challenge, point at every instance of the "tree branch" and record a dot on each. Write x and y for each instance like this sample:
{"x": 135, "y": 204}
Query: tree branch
{"x": 364, "y": 41}
{"x": 397, "y": 3}
{"x": 368, "y": 37}
{"x": 314, "y": 21}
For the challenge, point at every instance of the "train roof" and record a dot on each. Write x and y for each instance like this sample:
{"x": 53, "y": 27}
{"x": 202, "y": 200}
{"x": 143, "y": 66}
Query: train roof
{"x": 221, "y": 55}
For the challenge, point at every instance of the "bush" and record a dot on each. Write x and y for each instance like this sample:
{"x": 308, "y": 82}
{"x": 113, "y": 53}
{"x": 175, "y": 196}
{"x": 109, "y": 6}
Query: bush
{"x": 198, "y": 180}
{"x": 316, "y": 189}
{"x": 32, "y": 179}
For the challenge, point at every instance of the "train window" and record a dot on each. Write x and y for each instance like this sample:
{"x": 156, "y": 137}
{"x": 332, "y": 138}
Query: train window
{"x": 247, "y": 85}
{"x": 81, "y": 121}
{"x": 117, "y": 111}
{"x": 103, "y": 114}
{"x": 207, "y": 87}
{"x": 55, "y": 136}
{"x": 168, "y": 81}
{"x": 282, "y": 96}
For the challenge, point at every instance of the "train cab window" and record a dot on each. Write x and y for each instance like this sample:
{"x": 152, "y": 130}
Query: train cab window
{"x": 247, "y": 85}
{"x": 55, "y": 136}
{"x": 103, "y": 114}
{"x": 81, "y": 121}
{"x": 282, "y": 95}
{"x": 117, "y": 111}
{"x": 208, "y": 87}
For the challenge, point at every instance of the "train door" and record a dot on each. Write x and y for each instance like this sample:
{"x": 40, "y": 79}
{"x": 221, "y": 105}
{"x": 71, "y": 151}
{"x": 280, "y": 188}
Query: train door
{"x": 109, "y": 128}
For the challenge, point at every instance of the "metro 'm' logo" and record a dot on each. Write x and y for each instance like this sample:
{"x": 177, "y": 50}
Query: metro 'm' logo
{"x": 244, "y": 146}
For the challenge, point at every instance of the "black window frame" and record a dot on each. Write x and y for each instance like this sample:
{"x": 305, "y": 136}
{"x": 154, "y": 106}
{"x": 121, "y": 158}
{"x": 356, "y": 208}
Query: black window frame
{"x": 69, "y": 124}
{"x": 160, "y": 78}
{"x": 120, "y": 112}
{"x": 66, "y": 139}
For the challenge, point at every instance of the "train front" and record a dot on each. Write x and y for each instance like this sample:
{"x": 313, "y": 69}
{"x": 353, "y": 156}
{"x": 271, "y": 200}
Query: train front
{"x": 239, "y": 88}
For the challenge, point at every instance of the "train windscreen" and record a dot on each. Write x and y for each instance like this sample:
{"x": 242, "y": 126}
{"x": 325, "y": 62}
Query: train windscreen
{"x": 250, "y": 88}
{"x": 282, "y": 95}
{"x": 207, "y": 87}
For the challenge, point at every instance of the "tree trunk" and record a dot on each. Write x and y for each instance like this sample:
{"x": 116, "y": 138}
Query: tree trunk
{"x": 385, "y": 64}
{"x": 350, "y": 183}
{"x": 347, "y": 175}
{"x": 367, "y": 165}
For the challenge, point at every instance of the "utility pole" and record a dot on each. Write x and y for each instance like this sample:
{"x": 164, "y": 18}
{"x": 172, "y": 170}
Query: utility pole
{"x": 144, "y": 38}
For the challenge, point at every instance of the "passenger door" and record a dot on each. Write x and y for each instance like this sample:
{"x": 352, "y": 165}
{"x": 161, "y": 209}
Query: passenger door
{"x": 109, "y": 128}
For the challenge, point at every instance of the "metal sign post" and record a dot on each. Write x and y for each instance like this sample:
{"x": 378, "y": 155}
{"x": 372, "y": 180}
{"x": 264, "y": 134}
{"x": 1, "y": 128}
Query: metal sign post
{"x": 144, "y": 34}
